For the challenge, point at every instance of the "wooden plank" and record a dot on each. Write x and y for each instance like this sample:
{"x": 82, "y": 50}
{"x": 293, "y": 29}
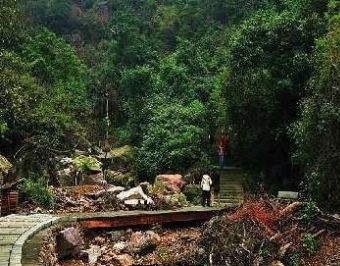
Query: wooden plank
{"x": 147, "y": 219}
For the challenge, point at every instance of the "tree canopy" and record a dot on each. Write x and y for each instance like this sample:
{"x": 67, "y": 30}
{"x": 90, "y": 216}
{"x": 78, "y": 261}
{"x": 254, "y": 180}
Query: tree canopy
{"x": 174, "y": 74}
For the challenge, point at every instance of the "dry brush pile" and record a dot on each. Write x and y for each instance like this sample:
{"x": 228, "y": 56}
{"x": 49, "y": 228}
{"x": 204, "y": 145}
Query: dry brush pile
{"x": 263, "y": 233}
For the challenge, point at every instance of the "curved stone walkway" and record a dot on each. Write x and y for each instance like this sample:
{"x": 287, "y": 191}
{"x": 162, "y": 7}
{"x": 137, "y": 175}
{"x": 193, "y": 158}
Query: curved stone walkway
{"x": 15, "y": 230}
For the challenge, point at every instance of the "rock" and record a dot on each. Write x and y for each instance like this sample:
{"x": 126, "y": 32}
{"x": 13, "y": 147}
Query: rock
{"x": 93, "y": 178}
{"x": 116, "y": 189}
{"x": 152, "y": 235}
{"x": 135, "y": 193}
{"x": 120, "y": 246}
{"x": 91, "y": 255}
{"x": 66, "y": 176}
{"x": 117, "y": 235}
{"x": 133, "y": 202}
{"x": 99, "y": 240}
{"x": 144, "y": 243}
{"x": 124, "y": 260}
{"x": 126, "y": 180}
{"x": 277, "y": 263}
{"x": 172, "y": 183}
{"x": 69, "y": 243}
{"x": 283, "y": 250}
{"x": 66, "y": 161}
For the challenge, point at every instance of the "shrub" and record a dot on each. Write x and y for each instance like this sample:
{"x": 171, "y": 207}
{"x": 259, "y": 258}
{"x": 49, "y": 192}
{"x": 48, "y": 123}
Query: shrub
{"x": 179, "y": 200}
{"x": 309, "y": 244}
{"x": 193, "y": 194}
{"x": 309, "y": 212}
{"x": 126, "y": 179}
{"x": 293, "y": 260}
{"x": 87, "y": 163}
{"x": 40, "y": 194}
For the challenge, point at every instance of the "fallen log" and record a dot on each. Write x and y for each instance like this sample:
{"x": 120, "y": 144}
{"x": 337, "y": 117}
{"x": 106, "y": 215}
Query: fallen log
{"x": 291, "y": 208}
{"x": 329, "y": 222}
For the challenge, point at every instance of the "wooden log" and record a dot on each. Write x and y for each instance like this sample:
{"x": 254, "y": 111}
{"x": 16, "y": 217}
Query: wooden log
{"x": 147, "y": 219}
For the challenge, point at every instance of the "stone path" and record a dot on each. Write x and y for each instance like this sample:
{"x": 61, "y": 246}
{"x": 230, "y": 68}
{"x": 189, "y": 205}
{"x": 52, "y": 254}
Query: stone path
{"x": 231, "y": 189}
{"x": 15, "y": 230}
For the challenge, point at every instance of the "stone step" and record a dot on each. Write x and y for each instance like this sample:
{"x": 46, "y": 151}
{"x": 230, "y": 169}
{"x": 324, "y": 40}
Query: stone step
{"x": 231, "y": 200}
{"x": 228, "y": 202}
{"x": 231, "y": 196}
{"x": 230, "y": 185}
{"x": 231, "y": 188}
{"x": 228, "y": 192}
{"x": 236, "y": 183}
{"x": 222, "y": 191}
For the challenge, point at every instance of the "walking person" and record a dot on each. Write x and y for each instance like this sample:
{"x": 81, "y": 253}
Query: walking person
{"x": 223, "y": 148}
{"x": 221, "y": 156}
{"x": 206, "y": 188}
{"x": 215, "y": 176}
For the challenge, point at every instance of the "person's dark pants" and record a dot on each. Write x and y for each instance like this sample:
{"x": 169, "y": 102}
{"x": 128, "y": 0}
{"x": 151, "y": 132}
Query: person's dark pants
{"x": 206, "y": 196}
{"x": 221, "y": 160}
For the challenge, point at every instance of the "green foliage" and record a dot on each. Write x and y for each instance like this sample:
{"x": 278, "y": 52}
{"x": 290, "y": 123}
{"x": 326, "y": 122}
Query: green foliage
{"x": 40, "y": 194}
{"x": 127, "y": 179}
{"x": 179, "y": 200}
{"x": 87, "y": 163}
{"x": 174, "y": 139}
{"x": 193, "y": 194}
{"x": 309, "y": 212}
{"x": 9, "y": 24}
{"x": 42, "y": 97}
{"x": 270, "y": 64}
{"x": 293, "y": 260}
{"x": 5, "y": 165}
{"x": 124, "y": 155}
{"x": 316, "y": 132}
{"x": 309, "y": 244}
{"x": 265, "y": 251}
{"x": 174, "y": 72}
{"x": 52, "y": 60}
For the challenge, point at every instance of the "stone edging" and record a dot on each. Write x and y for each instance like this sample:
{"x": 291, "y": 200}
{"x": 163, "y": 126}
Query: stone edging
{"x": 16, "y": 252}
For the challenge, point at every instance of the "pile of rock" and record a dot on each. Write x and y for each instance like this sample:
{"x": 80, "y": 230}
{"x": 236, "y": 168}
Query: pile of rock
{"x": 167, "y": 192}
{"x": 70, "y": 244}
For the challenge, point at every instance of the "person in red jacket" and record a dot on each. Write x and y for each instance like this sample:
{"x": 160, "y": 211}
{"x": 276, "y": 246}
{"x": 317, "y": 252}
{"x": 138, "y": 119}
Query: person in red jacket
{"x": 223, "y": 147}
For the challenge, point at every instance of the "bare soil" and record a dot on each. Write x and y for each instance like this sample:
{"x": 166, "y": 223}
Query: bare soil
{"x": 328, "y": 255}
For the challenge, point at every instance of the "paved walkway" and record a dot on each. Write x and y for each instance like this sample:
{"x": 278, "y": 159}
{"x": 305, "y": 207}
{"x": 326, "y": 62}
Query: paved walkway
{"x": 231, "y": 189}
{"x": 15, "y": 230}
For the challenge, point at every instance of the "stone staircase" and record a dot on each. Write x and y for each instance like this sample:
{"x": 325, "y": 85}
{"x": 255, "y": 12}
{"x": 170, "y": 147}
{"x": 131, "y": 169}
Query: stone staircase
{"x": 231, "y": 190}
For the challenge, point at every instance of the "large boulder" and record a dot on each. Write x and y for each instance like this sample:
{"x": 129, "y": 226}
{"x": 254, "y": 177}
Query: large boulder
{"x": 69, "y": 243}
{"x": 91, "y": 178}
{"x": 66, "y": 176}
{"x": 91, "y": 255}
{"x": 172, "y": 183}
{"x": 143, "y": 243}
{"x": 134, "y": 195}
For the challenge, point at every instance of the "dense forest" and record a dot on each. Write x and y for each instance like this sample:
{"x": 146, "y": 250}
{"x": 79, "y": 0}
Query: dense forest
{"x": 166, "y": 76}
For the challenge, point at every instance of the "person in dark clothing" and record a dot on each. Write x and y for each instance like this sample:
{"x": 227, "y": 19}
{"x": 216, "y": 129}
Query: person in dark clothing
{"x": 215, "y": 176}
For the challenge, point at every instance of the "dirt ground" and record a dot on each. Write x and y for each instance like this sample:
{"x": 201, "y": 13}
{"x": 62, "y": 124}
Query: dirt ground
{"x": 328, "y": 255}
